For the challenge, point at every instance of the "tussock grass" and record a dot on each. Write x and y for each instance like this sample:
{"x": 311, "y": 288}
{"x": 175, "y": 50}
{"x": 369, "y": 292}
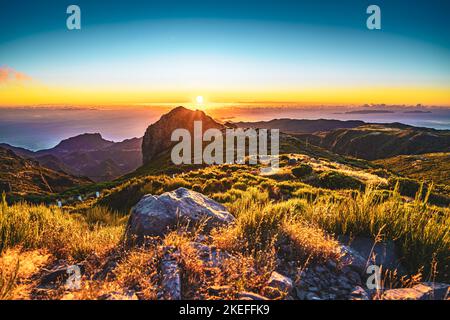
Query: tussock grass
{"x": 37, "y": 226}
{"x": 419, "y": 230}
{"x": 103, "y": 216}
{"x": 8, "y": 278}
{"x": 261, "y": 225}
{"x": 138, "y": 271}
{"x": 17, "y": 267}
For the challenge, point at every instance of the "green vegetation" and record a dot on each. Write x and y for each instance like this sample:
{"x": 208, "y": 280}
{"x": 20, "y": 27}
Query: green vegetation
{"x": 336, "y": 180}
{"x": 431, "y": 167}
{"x": 272, "y": 212}
{"x": 65, "y": 235}
{"x": 302, "y": 171}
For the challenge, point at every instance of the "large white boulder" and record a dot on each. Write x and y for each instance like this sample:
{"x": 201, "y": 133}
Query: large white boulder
{"x": 156, "y": 215}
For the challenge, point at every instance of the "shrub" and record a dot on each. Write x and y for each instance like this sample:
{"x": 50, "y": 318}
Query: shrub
{"x": 406, "y": 187}
{"x": 302, "y": 171}
{"x": 335, "y": 180}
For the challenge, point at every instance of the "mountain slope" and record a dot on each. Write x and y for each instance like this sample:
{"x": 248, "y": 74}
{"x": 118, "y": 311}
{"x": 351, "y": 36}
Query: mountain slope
{"x": 301, "y": 125}
{"x": 157, "y": 137}
{"x": 378, "y": 141}
{"x": 89, "y": 155}
{"x": 84, "y": 142}
{"x": 429, "y": 167}
{"x": 25, "y": 176}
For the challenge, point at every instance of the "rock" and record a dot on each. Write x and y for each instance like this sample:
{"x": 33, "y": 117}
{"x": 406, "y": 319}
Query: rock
{"x": 343, "y": 283}
{"x": 156, "y": 215}
{"x": 312, "y": 296}
{"x": 385, "y": 253}
{"x": 250, "y": 296}
{"x": 359, "y": 293}
{"x": 273, "y": 293}
{"x": 421, "y": 291}
{"x": 171, "y": 283}
{"x": 280, "y": 282}
{"x": 60, "y": 273}
{"x": 211, "y": 256}
{"x": 301, "y": 294}
{"x": 157, "y": 137}
{"x": 353, "y": 259}
{"x": 331, "y": 265}
{"x": 441, "y": 291}
{"x": 354, "y": 277}
{"x": 320, "y": 269}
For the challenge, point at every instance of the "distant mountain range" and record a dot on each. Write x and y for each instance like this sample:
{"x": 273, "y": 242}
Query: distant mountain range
{"x": 379, "y": 141}
{"x": 302, "y": 125}
{"x": 88, "y": 155}
{"x": 360, "y": 139}
{"x": 25, "y": 176}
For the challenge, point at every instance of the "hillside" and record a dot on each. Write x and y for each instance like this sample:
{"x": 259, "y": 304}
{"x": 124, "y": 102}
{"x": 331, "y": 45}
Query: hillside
{"x": 19, "y": 176}
{"x": 360, "y": 140}
{"x": 379, "y": 141}
{"x": 89, "y": 155}
{"x": 429, "y": 167}
{"x": 301, "y": 125}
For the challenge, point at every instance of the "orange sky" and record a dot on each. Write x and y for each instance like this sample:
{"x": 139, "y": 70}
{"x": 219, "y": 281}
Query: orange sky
{"x": 21, "y": 91}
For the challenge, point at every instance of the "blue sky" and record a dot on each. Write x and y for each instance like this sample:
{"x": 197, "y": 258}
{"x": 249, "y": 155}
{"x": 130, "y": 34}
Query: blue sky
{"x": 185, "y": 48}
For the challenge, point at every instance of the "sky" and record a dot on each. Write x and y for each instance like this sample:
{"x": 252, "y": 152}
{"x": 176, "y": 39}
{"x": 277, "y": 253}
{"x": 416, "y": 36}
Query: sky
{"x": 166, "y": 52}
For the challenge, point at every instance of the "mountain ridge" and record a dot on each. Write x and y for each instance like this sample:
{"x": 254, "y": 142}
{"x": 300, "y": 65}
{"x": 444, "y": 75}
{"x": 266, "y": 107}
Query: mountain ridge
{"x": 88, "y": 154}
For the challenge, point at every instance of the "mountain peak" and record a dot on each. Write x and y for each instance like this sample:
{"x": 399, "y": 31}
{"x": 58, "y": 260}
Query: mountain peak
{"x": 83, "y": 142}
{"x": 157, "y": 136}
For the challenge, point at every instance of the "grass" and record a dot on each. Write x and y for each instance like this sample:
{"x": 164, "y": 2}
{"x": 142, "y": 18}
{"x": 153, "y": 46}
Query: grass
{"x": 272, "y": 213}
{"x": 64, "y": 235}
{"x": 420, "y": 231}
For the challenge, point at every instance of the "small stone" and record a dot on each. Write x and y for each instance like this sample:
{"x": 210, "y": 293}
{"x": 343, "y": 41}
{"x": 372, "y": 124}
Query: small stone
{"x": 312, "y": 296}
{"x": 301, "y": 294}
{"x": 421, "y": 291}
{"x": 280, "y": 282}
{"x": 171, "y": 282}
{"x": 320, "y": 269}
{"x": 331, "y": 265}
{"x": 359, "y": 293}
{"x": 354, "y": 277}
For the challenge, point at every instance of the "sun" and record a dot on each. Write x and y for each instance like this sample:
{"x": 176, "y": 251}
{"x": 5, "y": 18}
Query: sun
{"x": 199, "y": 99}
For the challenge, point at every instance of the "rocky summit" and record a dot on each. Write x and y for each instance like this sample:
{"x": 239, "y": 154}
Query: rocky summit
{"x": 157, "y": 137}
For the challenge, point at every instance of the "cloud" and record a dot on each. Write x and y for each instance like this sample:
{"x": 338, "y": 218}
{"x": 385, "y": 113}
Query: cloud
{"x": 9, "y": 75}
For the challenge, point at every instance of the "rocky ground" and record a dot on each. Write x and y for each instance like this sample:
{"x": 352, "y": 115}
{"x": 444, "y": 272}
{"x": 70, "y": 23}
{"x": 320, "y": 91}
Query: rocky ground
{"x": 342, "y": 278}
